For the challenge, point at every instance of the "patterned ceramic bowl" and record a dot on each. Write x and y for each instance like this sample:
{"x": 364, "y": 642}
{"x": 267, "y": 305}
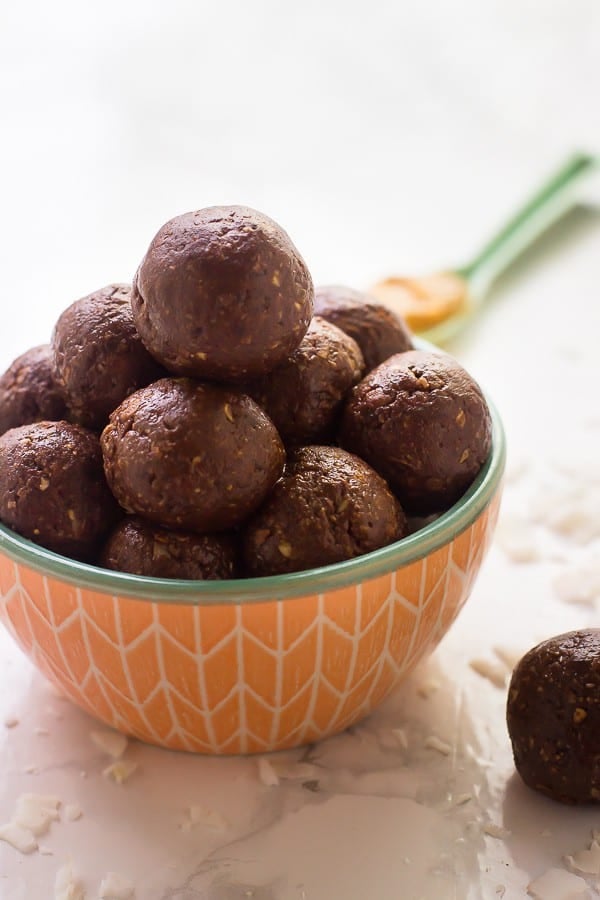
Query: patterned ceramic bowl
{"x": 246, "y": 666}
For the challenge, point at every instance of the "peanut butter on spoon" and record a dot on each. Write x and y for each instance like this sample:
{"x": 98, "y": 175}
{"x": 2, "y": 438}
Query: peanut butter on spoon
{"x": 436, "y": 306}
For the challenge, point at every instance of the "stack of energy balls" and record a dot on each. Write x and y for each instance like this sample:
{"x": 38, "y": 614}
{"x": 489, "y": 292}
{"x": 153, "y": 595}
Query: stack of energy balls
{"x": 219, "y": 418}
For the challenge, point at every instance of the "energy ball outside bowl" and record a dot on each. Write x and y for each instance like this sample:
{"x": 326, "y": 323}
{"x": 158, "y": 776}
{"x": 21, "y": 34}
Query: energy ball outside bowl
{"x": 141, "y": 548}
{"x": 28, "y": 391}
{"x": 378, "y": 331}
{"x": 190, "y": 455}
{"x": 222, "y": 293}
{"x": 553, "y": 716}
{"x": 99, "y": 358}
{"x": 329, "y": 506}
{"x": 304, "y": 396}
{"x": 52, "y": 487}
{"x": 423, "y": 423}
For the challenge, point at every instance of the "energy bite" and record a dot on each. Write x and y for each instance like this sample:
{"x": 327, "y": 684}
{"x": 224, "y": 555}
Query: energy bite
{"x": 423, "y": 423}
{"x": 304, "y": 395}
{"x": 52, "y": 487}
{"x": 553, "y": 717}
{"x": 222, "y": 293}
{"x": 329, "y": 506}
{"x": 141, "y": 548}
{"x": 28, "y": 391}
{"x": 190, "y": 455}
{"x": 98, "y": 356}
{"x": 378, "y": 331}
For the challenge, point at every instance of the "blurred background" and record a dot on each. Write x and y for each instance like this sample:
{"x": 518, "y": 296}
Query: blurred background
{"x": 385, "y": 137}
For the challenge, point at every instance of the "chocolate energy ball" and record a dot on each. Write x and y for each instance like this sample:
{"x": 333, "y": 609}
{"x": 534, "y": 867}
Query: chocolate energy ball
{"x": 99, "y": 358}
{"x": 52, "y": 487}
{"x": 553, "y": 716}
{"x": 141, "y": 548}
{"x": 28, "y": 391}
{"x": 222, "y": 293}
{"x": 329, "y": 506}
{"x": 303, "y": 396}
{"x": 378, "y": 331}
{"x": 423, "y": 423}
{"x": 190, "y": 455}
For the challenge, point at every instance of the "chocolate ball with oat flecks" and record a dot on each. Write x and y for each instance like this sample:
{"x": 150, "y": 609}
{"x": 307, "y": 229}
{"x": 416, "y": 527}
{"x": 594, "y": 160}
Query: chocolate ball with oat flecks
{"x": 553, "y": 716}
{"x": 423, "y": 423}
{"x": 223, "y": 294}
{"x": 329, "y": 506}
{"x": 98, "y": 356}
{"x": 28, "y": 391}
{"x": 191, "y": 455}
{"x": 141, "y": 548}
{"x": 52, "y": 487}
{"x": 303, "y": 397}
{"x": 378, "y": 331}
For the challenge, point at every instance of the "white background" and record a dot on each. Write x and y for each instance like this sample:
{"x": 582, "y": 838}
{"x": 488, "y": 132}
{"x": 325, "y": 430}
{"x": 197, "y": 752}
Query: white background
{"x": 385, "y": 137}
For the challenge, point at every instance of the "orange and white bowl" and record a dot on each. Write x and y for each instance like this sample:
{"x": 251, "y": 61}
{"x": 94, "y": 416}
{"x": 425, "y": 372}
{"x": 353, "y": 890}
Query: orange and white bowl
{"x": 250, "y": 665}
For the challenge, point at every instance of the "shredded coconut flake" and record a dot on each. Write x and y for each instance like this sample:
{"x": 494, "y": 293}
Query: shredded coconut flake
{"x": 22, "y": 839}
{"x": 35, "y": 812}
{"x": 200, "y": 815}
{"x": 116, "y": 887}
{"x": 73, "y": 812}
{"x": 267, "y": 773}
{"x": 427, "y": 688}
{"x": 67, "y": 886}
{"x": 436, "y": 743}
{"x": 494, "y": 673}
{"x": 495, "y": 831}
{"x": 295, "y": 771}
{"x": 557, "y": 884}
{"x": 110, "y": 742}
{"x": 516, "y": 538}
{"x": 11, "y": 722}
{"x": 401, "y": 736}
{"x": 579, "y": 585}
{"x": 510, "y": 656}
{"x": 120, "y": 771}
{"x": 586, "y": 861}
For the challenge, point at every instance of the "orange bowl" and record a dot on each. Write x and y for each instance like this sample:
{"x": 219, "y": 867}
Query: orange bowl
{"x": 251, "y": 665}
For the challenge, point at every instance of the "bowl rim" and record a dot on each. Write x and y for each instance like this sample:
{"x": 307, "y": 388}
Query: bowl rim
{"x": 275, "y": 587}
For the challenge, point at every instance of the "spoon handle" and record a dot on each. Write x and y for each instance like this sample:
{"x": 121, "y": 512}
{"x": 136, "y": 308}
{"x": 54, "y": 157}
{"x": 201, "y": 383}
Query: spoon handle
{"x": 551, "y": 201}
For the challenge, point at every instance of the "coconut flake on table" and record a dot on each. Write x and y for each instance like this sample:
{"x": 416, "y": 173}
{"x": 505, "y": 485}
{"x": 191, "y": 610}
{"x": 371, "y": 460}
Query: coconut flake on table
{"x": 67, "y": 886}
{"x": 509, "y": 656}
{"x": 428, "y": 688}
{"x": 110, "y": 742}
{"x": 579, "y": 585}
{"x": 22, "y": 839}
{"x": 515, "y": 536}
{"x": 200, "y": 815}
{"x": 435, "y": 743}
{"x": 11, "y": 722}
{"x": 558, "y": 884}
{"x": 494, "y": 673}
{"x": 116, "y": 887}
{"x": 73, "y": 812}
{"x": 120, "y": 771}
{"x": 35, "y": 812}
{"x": 570, "y": 510}
{"x": 267, "y": 773}
{"x": 496, "y": 831}
{"x": 586, "y": 861}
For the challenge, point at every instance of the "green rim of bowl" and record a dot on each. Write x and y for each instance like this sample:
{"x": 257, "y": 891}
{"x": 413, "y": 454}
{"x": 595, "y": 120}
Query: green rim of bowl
{"x": 275, "y": 587}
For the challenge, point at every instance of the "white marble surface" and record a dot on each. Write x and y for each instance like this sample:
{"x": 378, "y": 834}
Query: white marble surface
{"x": 384, "y": 137}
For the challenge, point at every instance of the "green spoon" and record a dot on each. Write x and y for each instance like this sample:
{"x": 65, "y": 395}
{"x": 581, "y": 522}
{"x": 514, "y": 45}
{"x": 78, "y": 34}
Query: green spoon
{"x": 437, "y": 306}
